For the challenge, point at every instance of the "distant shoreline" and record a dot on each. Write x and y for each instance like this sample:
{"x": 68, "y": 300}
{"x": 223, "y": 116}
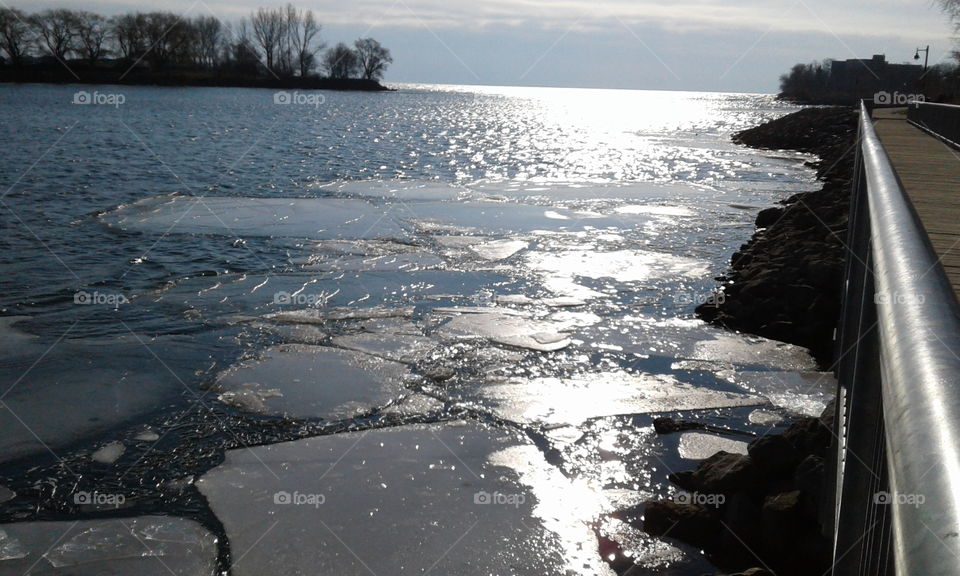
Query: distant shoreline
{"x": 186, "y": 78}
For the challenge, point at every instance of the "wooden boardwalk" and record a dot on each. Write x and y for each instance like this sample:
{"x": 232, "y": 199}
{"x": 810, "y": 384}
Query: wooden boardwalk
{"x": 930, "y": 172}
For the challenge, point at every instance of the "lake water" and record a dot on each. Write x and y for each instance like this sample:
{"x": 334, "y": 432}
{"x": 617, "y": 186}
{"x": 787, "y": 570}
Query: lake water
{"x": 444, "y": 316}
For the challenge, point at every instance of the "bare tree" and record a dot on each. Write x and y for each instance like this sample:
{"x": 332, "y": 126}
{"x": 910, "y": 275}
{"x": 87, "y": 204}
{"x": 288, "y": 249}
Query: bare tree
{"x": 243, "y": 50}
{"x": 210, "y": 39}
{"x": 302, "y": 31}
{"x": 92, "y": 31}
{"x": 129, "y": 31}
{"x": 952, "y": 9}
{"x": 15, "y": 36}
{"x": 170, "y": 40}
{"x": 373, "y": 58}
{"x": 57, "y": 31}
{"x": 268, "y": 31}
{"x": 341, "y": 62}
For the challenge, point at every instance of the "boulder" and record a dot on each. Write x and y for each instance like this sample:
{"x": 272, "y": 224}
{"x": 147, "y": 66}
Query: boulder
{"x": 725, "y": 473}
{"x": 774, "y": 455}
{"x": 781, "y": 519}
{"x": 689, "y": 523}
{"x": 768, "y": 217}
{"x": 809, "y": 479}
{"x": 809, "y": 436}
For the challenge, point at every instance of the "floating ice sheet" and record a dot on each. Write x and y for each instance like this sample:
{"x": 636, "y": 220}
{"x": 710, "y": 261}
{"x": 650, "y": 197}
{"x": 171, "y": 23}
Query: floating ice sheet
{"x": 406, "y": 190}
{"x": 415, "y": 404}
{"x": 654, "y": 210}
{"x": 109, "y": 453}
{"x": 508, "y": 219}
{"x": 320, "y": 218}
{"x": 619, "y": 265}
{"x": 146, "y": 546}
{"x": 499, "y": 249}
{"x": 312, "y": 382}
{"x": 694, "y": 345}
{"x": 737, "y": 349}
{"x": 573, "y": 400}
{"x": 523, "y": 300}
{"x": 54, "y": 395}
{"x": 637, "y": 191}
{"x": 698, "y": 446}
{"x": 399, "y": 347}
{"x": 805, "y": 393}
{"x": 503, "y": 326}
{"x": 324, "y": 315}
{"x": 429, "y": 496}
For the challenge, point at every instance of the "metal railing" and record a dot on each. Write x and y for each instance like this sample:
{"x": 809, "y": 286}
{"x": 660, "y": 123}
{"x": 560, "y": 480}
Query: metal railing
{"x": 896, "y": 507}
{"x": 941, "y": 120}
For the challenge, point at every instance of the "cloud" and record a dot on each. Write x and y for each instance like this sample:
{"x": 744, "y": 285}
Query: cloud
{"x": 690, "y": 44}
{"x": 879, "y": 18}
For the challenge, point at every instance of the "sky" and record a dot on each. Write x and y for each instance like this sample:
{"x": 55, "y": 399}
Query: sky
{"x": 701, "y": 45}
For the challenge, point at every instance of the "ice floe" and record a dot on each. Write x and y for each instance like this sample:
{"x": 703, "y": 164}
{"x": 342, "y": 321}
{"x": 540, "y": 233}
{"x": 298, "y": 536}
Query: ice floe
{"x": 109, "y": 453}
{"x": 304, "y": 381}
{"x": 432, "y": 498}
{"x": 146, "y": 546}
{"x": 578, "y": 398}
{"x": 324, "y": 315}
{"x": 561, "y": 268}
{"x": 503, "y": 326}
{"x": 499, "y": 249}
{"x": 698, "y": 446}
{"x": 405, "y": 190}
{"x": 318, "y": 218}
{"x": 399, "y": 347}
{"x": 801, "y": 392}
{"x": 80, "y": 389}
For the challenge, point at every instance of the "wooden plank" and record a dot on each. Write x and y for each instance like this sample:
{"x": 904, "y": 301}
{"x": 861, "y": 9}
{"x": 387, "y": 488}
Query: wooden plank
{"x": 930, "y": 173}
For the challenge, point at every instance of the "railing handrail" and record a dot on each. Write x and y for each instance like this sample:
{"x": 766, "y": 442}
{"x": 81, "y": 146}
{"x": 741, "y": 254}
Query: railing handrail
{"x": 919, "y": 333}
{"x": 932, "y": 104}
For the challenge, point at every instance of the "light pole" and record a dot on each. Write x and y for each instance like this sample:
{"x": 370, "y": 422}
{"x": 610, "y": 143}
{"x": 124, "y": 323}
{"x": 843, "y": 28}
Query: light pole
{"x": 926, "y": 54}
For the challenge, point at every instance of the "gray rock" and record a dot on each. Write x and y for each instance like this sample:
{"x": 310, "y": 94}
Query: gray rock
{"x": 782, "y": 521}
{"x": 773, "y": 454}
{"x": 742, "y": 517}
{"x": 808, "y": 436}
{"x": 809, "y": 478}
{"x": 725, "y": 473}
{"x": 686, "y": 522}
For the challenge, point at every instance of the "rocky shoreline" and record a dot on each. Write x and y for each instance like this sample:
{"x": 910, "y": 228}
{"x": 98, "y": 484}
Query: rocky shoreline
{"x": 756, "y": 509}
{"x": 785, "y": 283}
{"x": 758, "y": 513}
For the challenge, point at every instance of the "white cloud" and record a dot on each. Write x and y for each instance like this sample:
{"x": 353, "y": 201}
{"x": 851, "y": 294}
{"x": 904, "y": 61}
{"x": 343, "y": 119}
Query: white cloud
{"x": 902, "y": 18}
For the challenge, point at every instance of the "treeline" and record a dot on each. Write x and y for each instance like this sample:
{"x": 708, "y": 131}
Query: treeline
{"x": 279, "y": 43}
{"x": 806, "y": 82}
{"x": 812, "y": 83}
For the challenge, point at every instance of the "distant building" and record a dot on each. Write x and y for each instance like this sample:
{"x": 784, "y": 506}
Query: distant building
{"x": 863, "y": 78}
